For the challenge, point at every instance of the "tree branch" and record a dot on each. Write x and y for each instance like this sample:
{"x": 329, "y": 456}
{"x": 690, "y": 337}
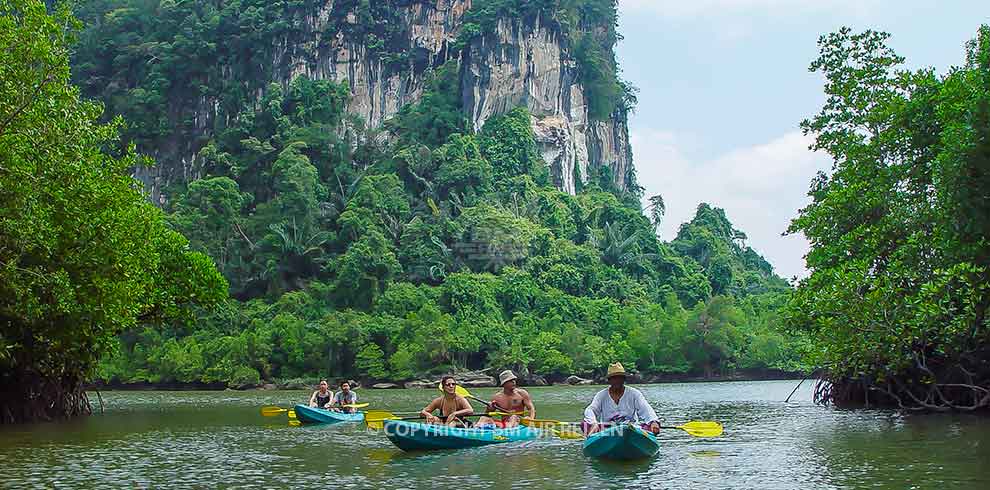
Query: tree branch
{"x": 48, "y": 78}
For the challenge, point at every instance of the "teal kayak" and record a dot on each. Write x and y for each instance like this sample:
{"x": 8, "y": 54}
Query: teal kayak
{"x": 415, "y": 436}
{"x": 309, "y": 415}
{"x": 621, "y": 442}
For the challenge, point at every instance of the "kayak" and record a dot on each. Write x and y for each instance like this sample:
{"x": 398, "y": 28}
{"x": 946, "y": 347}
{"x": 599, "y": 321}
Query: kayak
{"x": 621, "y": 442}
{"x": 309, "y": 415}
{"x": 415, "y": 436}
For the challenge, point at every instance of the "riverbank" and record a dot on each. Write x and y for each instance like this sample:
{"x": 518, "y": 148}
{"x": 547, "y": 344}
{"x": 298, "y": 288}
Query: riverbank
{"x": 472, "y": 379}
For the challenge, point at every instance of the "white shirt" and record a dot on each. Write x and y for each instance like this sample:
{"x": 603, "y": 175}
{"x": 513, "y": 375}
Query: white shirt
{"x": 632, "y": 407}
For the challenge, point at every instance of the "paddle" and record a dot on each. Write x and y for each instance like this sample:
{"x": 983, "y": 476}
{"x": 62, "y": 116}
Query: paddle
{"x": 462, "y": 391}
{"x": 694, "y": 428}
{"x": 551, "y": 425}
{"x": 375, "y": 419}
{"x": 542, "y": 423}
{"x": 273, "y": 411}
{"x": 698, "y": 428}
{"x": 379, "y": 423}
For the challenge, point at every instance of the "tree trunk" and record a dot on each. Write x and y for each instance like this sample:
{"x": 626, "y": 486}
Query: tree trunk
{"x": 26, "y": 396}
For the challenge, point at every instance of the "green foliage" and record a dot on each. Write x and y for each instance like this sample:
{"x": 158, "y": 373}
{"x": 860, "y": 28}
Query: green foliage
{"x": 436, "y": 115}
{"x": 364, "y": 270}
{"x": 897, "y": 297}
{"x": 731, "y": 267}
{"x": 371, "y": 361}
{"x": 507, "y": 141}
{"x": 598, "y": 76}
{"x": 350, "y": 257}
{"x": 83, "y": 256}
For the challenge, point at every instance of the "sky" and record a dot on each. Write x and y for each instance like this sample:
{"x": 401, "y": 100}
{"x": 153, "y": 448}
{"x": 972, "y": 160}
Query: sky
{"x": 724, "y": 84}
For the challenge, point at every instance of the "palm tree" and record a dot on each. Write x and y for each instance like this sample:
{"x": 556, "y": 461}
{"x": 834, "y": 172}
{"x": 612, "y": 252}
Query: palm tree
{"x": 657, "y": 210}
{"x": 298, "y": 255}
{"x": 617, "y": 244}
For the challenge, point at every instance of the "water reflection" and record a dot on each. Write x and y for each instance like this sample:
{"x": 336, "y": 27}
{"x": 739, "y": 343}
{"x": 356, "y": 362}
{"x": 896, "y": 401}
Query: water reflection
{"x": 219, "y": 440}
{"x": 705, "y": 454}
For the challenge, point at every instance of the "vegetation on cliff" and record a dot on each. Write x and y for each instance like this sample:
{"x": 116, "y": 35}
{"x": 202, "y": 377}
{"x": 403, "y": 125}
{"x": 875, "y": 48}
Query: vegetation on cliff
{"x": 442, "y": 249}
{"x": 346, "y": 254}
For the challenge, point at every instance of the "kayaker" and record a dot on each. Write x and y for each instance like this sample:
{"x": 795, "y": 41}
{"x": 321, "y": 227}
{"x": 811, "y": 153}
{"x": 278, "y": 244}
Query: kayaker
{"x": 451, "y": 405}
{"x": 510, "y": 399}
{"x": 322, "y": 397}
{"x": 619, "y": 404}
{"x": 344, "y": 397}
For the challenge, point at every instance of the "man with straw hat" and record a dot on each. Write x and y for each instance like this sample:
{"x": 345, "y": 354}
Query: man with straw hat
{"x": 510, "y": 399}
{"x": 619, "y": 404}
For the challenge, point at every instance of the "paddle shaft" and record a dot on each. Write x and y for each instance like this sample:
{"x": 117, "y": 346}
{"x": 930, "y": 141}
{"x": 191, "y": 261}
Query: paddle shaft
{"x": 489, "y": 414}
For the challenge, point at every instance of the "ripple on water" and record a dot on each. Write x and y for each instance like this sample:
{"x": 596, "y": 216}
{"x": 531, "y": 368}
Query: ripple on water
{"x": 219, "y": 440}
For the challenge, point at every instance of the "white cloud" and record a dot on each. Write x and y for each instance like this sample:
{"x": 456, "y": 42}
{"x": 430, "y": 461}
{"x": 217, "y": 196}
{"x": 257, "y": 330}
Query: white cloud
{"x": 761, "y": 187}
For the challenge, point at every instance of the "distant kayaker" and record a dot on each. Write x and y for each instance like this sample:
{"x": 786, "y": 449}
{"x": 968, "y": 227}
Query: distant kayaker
{"x": 619, "y": 404}
{"x": 344, "y": 397}
{"x": 322, "y": 397}
{"x": 451, "y": 405}
{"x": 510, "y": 399}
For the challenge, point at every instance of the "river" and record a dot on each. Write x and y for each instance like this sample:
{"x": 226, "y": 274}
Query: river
{"x": 205, "y": 440}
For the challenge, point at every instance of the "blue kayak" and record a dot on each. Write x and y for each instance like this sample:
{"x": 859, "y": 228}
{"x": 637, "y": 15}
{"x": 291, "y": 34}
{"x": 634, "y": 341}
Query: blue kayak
{"x": 415, "y": 436}
{"x": 309, "y": 415}
{"x": 621, "y": 442}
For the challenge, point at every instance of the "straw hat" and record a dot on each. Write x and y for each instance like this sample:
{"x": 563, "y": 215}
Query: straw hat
{"x": 505, "y": 376}
{"x": 615, "y": 370}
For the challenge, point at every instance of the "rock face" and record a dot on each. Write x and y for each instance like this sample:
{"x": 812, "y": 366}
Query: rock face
{"x": 420, "y": 383}
{"x": 475, "y": 379}
{"x": 384, "y": 386}
{"x": 524, "y": 62}
{"x": 576, "y": 380}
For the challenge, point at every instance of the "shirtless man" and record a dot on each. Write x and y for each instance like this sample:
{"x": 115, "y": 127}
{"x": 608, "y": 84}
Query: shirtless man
{"x": 510, "y": 399}
{"x": 451, "y": 405}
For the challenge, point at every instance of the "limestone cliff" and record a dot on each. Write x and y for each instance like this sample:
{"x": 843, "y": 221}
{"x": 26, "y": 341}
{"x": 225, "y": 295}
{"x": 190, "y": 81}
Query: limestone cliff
{"x": 522, "y": 61}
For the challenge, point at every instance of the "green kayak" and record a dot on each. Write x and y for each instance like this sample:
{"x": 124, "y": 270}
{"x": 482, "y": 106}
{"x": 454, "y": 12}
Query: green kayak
{"x": 309, "y": 415}
{"x": 415, "y": 436}
{"x": 621, "y": 442}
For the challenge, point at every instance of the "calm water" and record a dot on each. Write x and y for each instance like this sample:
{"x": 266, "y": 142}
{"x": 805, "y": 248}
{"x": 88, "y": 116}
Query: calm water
{"x": 219, "y": 440}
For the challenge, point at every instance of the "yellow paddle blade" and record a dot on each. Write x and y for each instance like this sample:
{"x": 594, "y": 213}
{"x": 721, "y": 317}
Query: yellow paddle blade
{"x": 503, "y": 414}
{"x": 459, "y": 390}
{"x": 295, "y": 423}
{"x": 273, "y": 411}
{"x": 378, "y": 415}
{"x": 356, "y": 405}
{"x": 378, "y": 424}
{"x": 702, "y": 429}
{"x": 541, "y": 423}
{"x": 567, "y": 434}
{"x": 292, "y": 414}
{"x": 375, "y": 419}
